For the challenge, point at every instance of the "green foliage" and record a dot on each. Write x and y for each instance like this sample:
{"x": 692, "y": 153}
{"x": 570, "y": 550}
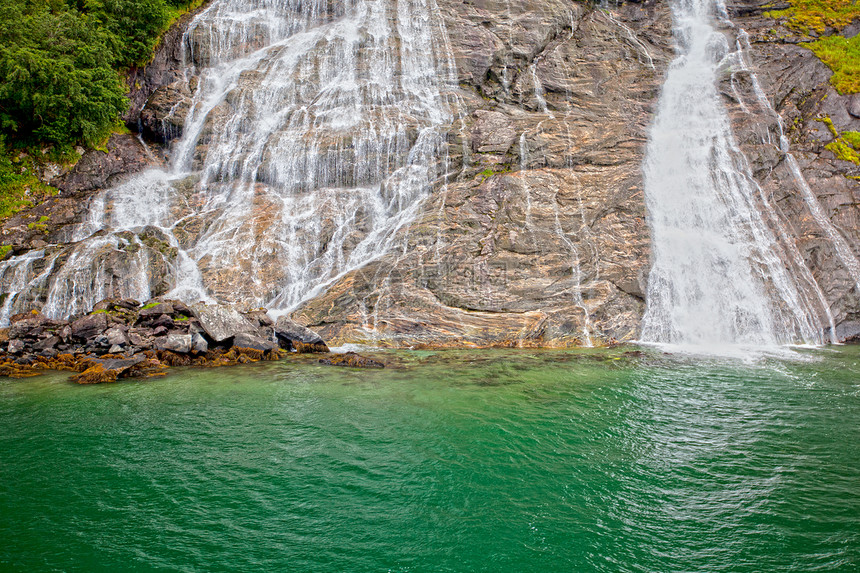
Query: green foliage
{"x": 806, "y": 15}
{"x": 4, "y": 251}
{"x": 60, "y": 62}
{"x": 842, "y": 55}
{"x": 19, "y": 185}
{"x": 150, "y": 305}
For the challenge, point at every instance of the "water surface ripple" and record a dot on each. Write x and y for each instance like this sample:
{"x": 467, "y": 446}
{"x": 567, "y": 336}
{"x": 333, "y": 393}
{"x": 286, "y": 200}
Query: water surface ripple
{"x": 449, "y": 461}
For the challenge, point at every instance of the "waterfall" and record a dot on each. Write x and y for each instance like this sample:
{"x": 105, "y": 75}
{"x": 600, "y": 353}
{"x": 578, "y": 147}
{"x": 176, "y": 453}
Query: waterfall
{"x": 316, "y": 130}
{"x": 717, "y": 277}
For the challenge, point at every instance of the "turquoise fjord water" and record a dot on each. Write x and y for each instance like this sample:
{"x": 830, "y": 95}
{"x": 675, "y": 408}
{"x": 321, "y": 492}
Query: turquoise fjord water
{"x": 448, "y": 461}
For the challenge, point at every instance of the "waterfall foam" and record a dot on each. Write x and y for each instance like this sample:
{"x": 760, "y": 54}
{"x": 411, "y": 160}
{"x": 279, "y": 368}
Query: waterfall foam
{"x": 315, "y": 132}
{"x": 717, "y": 278}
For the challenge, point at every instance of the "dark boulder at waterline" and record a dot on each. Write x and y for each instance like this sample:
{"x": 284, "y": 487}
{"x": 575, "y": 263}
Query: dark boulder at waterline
{"x": 293, "y": 336}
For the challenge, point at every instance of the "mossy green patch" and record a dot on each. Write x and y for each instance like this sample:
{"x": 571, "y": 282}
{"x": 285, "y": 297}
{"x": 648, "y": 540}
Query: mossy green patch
{"x": 843, "y": 151}
{"x": 20, "y": 187}
{"x": 842, "y": 55}
{"x": 5, "y": 250}
{"x": 150, "y": 305}
{"x": 852, "y": 138}
{"x": 807, "y": 15}
{"x": 39, "y": 225}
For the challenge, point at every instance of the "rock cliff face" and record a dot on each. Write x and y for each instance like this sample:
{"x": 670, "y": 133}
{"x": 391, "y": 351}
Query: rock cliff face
{"x": 541, "y": 238}
{"x": 796, "y": 99}
{"x": 537, "y": 232}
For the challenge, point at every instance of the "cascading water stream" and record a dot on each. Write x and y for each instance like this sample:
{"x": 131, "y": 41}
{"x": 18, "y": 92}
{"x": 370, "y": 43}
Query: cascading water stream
{"x": 717, "y": 278}
{"x": 315, "y": 132}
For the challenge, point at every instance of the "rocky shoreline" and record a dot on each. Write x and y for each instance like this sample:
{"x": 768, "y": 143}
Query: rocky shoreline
{"x": 127, "y": 339}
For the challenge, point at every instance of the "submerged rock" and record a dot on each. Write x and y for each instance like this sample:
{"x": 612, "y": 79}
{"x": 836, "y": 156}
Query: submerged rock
{"x": 352, "y": 360}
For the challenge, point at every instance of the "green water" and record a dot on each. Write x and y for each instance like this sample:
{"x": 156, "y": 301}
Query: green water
{"x": 449, "y": 461}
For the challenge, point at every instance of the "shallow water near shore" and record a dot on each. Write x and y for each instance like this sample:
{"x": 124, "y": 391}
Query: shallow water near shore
{"x": 592, "y": 460}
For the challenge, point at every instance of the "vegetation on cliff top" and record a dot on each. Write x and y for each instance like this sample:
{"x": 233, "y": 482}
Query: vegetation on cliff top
{"x": 819, "y": 17}
{"x": 60, "y": 61}
{"x": 61, "y": 79}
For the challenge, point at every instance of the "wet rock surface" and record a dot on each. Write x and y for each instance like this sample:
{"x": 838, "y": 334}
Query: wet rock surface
{"x": 120, "y": 339}
{"x": 537, "y": 234}
{"x": 801, "y": 104}
{"x": 541, "y": 239}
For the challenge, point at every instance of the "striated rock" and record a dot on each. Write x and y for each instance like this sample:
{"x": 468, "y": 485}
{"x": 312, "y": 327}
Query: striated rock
{"x": 98, "y": 169}
{"x": 352, "y": 360}
{"x": 796, "y": 85}
{"x": 89, "y": 326}
{"x": 222, "y": 322}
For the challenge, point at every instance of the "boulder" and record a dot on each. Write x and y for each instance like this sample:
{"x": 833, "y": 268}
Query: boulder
{"x": 29, "y": 324}
{"x": 352, "y": 360}
{"x": 15, "y": 346}
{"x": 161, "y": 320}
{"x": 116, "y": 337}
{"x": 244, "y": 340}
{"x": 293, "y": 336}
{"x": 199, "y": 343}
{"x": 179, "y": 343}
{"x": 222, "y": 322}
{"x": 107, "y": 370}
{"x": 46, "y": 343}
{"x": 89, "y": 326}
{"x": 111, "y": 304}
{"x": 260, "y": 317}
{"x": 155, "y": 308}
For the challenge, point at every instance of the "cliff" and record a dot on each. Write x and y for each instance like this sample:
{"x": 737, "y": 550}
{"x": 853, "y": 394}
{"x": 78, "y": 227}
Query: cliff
{"x": 536, "y": 233}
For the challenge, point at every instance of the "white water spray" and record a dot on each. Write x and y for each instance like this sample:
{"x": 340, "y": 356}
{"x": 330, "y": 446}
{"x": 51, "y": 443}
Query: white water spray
{"x": 716, "y": 276}
{"x": 315, "y": 132}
